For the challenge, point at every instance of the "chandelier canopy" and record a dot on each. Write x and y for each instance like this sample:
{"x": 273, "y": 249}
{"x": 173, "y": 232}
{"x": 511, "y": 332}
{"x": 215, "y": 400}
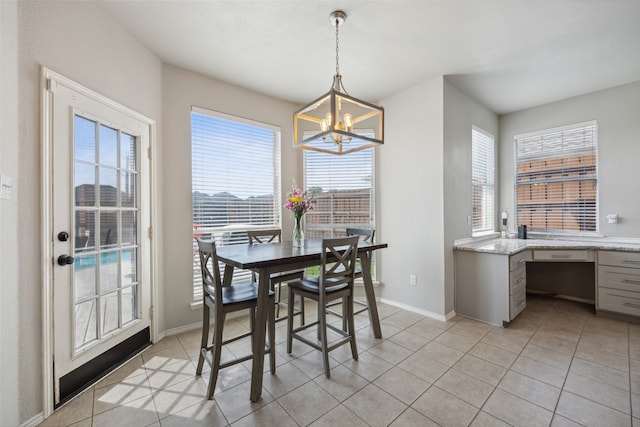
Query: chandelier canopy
{"x": 336, "y": 122}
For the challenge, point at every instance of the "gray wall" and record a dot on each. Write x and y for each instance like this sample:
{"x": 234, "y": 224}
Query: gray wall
{"x": 181, "y": 90}
{"x": 424, "y": 190}
{"x": 617, "y": 111}
{"x": 9, "y": 271}
{"x": 461, "y": 112}
{"x": 410, "y": 197}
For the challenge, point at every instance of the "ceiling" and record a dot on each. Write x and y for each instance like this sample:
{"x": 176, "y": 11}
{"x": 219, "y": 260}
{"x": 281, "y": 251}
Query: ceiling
{"x": 507, "y": 54}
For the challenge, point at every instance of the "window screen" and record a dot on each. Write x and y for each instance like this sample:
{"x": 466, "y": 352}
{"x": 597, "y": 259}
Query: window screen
{"x": 235, "y": 171}
{"x": 482, "y": 181}
{"x": 556, "y": 181}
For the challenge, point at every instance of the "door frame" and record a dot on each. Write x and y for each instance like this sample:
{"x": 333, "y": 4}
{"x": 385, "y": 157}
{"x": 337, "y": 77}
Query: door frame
{"x": 48, "y": 81}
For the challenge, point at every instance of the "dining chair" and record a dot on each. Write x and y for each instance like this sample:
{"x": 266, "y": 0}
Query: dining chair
{"x": 276, "y": 279}
{"x": 366, "y": 235}
{"x": 337, "y": 270}
{"x": 223, "y": 300}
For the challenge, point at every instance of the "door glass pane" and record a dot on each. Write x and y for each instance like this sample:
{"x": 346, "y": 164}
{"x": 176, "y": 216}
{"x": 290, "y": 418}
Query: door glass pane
{"x": 84, "y": 139}
{"x": 85, "y": 238}
{"x": 129, "y": 267}
{"x": 85, "y": 184}
{"x": 108, "y": 271}
{"x": 108, "y": 187}
{"x": 108, "y": 146}
{"x": 129, "y": 228}
{"x": 127, "y": 151}
{"x": 128, "y": 189}
{"x": 86, "y": 327}
{"x": 84, "y": 280}
{"x": 109, "y": 312}
{"x": 129, "y": 304}
{"x": 108, "y": 229}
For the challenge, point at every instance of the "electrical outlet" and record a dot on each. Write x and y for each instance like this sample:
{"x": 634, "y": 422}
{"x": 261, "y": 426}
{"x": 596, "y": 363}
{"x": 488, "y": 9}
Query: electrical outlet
{"x": 413, "y": 281}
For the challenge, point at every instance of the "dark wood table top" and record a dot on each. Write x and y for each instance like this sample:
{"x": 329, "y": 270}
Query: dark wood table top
{"x": 252, "y": 257}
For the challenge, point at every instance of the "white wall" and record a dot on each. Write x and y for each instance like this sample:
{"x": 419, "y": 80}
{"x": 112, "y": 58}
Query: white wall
{"x": 461, "y": 112}
{"x": 79, "y": 41}
{"x": 410, "y": 198}
{"x": 617, "y": 111}
{"x": 183, "y": 89}
{"x": 9, "y": 272}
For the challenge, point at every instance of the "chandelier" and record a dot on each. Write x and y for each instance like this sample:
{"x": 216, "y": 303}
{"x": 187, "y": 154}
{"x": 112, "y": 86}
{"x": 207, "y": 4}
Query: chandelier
{"x": 338, "y": 123}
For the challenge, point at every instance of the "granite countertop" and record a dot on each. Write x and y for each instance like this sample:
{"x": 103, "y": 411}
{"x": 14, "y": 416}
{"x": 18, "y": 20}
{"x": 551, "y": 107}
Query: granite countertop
{"x": 513, "y": 246}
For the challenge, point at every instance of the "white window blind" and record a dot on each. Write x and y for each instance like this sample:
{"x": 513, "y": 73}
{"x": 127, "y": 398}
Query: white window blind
{"x": 556, "y": 181}
{"x": 235, "y": 170}
{"x": 482, "y": 181}
{"x": 344, "y": 191}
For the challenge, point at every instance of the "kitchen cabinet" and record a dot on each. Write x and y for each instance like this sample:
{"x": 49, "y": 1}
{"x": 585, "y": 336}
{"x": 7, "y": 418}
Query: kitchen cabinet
{"x": 490, "y": 287}
{"x": 618, "y": 283}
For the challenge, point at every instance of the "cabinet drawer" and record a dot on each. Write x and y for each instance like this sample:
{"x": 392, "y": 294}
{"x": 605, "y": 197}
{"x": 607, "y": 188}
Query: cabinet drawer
{"x": 517, "y": 280}
{"x": 619, "y": 259}
{"x": 563, "y": 255}
{"x": 518, "y": 302}
{"x": 619, "y": 301}
{"x": 518, "y": 260}
{"x": 619, "y": 278}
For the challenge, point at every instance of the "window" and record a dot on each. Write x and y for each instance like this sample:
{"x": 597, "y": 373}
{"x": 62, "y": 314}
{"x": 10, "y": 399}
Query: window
{"x": 482, "y": 182}
{"x": 556, "y": 180}
{"x": 235, "y": 171}
{"x": 344, "y": 193}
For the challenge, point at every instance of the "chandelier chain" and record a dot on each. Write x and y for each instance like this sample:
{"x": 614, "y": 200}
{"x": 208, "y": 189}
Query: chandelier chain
{"x": 337, "y": 48}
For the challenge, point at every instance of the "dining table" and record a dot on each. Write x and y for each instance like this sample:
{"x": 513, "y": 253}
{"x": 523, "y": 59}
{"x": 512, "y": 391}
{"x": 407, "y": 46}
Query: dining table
{"x": 266, "y": 259}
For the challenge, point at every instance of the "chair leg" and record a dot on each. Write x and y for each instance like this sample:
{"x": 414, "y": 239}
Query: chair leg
{"x": 271, "y": 323}
{"x": 344, "y": 314}
{"x": 352, "y": 327}
{"x": 290, "y": 320}
{"x": 204, "y": 343}
{"x": 322, "y": 330}
{"x": 252, "y": 327}
{"x": 217, "y": 351}
{"x": 301, "y": 310}
{"x": 277, "y": 296}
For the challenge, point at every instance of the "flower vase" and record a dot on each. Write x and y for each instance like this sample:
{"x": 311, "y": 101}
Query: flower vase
{"x": 298, "y": 233}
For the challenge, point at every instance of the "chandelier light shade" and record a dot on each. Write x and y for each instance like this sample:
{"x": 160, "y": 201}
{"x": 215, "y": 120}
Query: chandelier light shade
{"x": 336, "y": 122}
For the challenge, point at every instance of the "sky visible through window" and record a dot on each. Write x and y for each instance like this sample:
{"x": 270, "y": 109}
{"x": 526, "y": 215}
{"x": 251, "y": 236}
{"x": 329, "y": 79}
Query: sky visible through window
{"x": 235, "y": 153}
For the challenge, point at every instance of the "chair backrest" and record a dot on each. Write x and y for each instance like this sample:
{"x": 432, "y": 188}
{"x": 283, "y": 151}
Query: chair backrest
{"x": 264, "y": 236}
{"x": 338, "y": 262}
{"x": 209, "y": 269}
{"x": 366, "y": 234}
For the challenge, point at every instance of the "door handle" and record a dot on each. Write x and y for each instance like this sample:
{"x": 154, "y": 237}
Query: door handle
{"x": 65, "y": 260}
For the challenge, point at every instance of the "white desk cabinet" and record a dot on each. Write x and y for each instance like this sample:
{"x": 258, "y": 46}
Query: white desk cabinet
{"x": 618, "y": 283}
{"x": 490, "y": 287}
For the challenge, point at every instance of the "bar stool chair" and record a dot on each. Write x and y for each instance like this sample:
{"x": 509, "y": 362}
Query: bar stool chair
{"x": 366, "y": 235}
{"x": 276, "y": 279}
{"x": 223, "y": 300}
{"x": 337, "y": 269}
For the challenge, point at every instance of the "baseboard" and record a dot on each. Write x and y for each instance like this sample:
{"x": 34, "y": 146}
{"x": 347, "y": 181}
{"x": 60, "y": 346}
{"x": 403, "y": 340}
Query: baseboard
{"x": 33, "y": 421}
{"x": 426, "y": 313}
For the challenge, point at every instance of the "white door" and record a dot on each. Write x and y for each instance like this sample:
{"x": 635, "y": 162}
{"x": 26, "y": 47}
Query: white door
{"x": 101, "y": 236}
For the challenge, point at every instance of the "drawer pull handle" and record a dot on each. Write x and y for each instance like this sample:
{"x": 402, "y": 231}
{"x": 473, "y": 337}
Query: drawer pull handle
{"x": 558, "y": 256}
{"x": 631, "y": 261}
{"x": 520, "y": 280}
{"x": 631, "y": 304}
{"x": 522, "y": 260}
{"x": 637, "y": 282}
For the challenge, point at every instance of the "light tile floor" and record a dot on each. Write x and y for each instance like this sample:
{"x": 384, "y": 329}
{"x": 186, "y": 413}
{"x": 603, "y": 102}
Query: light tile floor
{"x": 556, "y": 364}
